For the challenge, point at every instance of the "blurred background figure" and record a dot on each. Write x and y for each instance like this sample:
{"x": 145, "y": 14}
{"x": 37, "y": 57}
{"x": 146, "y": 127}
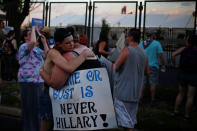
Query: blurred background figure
{"x": 83, "y": 39}
{"x": 2, "y": 37}
{"x": 154, "y": 51}
{"x": 9, "y": 50}
{"x": 102, "y": 45}
{"x": 187, "y": 75}
{"x": 49, "y": 38}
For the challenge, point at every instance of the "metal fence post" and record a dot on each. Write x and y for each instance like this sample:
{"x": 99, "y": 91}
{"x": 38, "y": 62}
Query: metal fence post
{"x": 89, "y": 20}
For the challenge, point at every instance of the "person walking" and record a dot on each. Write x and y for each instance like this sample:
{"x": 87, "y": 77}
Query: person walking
{"x": 154, "y": 51}
{"x": 130, "y": 66}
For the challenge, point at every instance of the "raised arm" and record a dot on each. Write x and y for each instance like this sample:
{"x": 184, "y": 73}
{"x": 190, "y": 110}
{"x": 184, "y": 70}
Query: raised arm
{"x": 32, "y": 42}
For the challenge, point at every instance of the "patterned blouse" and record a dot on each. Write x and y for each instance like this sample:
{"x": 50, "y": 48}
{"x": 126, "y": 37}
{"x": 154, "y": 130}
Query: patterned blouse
{"x": 30, "y": 64}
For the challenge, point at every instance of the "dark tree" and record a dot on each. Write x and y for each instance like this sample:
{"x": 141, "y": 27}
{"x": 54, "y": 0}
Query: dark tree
{"x": 16, "y": 11}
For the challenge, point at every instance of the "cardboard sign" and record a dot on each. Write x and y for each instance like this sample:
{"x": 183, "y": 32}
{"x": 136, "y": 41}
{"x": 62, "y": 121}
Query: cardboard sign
{"x": 39, "y": 22}
{"x": 85, "y": 103}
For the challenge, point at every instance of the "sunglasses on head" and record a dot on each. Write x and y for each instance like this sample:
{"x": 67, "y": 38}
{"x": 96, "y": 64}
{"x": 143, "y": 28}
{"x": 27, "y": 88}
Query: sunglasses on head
{"x": 67, "y": 34}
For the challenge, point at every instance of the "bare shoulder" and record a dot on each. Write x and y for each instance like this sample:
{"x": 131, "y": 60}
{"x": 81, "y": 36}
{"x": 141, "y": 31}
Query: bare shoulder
{"x": 55, "y": 55}
{"x": 53, "y": 52}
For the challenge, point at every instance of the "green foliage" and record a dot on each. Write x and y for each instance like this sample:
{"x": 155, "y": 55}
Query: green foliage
{"x": 159, "y": 117}
{"x": 16, "y": 11}
{"x": 104, "y": 23}
{"x": 105, "y": 27}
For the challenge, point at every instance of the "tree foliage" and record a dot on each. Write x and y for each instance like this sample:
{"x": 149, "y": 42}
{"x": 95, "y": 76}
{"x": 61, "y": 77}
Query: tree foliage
{"x": 16, "y": 11}
{"x": 105, "y": 27}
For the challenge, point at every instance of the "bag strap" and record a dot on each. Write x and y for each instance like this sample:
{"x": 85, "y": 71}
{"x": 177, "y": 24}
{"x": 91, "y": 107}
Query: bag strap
{"x": 147, "y": 43}
{"x": 75, "y": 53}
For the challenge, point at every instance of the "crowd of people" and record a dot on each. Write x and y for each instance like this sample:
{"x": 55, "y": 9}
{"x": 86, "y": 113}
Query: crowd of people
{"x": 42, "y": 66}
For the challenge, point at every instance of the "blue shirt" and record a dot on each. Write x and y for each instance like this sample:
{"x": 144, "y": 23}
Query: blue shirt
{"x": 152, "y": 51}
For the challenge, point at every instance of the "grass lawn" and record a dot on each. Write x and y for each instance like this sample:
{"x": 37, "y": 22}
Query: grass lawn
{"x": 159, "y": 117}
{"x": 10, "y": 94}
{"x": 149, "y": 118}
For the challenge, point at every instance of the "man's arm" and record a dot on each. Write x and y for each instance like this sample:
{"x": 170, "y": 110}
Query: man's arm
{"x": 160, "y": 55}
{"x": 122, "y": 58}
{"x": 161, "y": 59}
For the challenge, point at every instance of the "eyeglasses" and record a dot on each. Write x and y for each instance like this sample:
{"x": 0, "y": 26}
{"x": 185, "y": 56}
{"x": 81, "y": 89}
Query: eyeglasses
{"x": 69, "y": 42}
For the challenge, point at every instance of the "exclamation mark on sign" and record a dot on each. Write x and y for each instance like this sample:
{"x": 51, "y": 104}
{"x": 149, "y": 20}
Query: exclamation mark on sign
{"x": 103, "y": 117}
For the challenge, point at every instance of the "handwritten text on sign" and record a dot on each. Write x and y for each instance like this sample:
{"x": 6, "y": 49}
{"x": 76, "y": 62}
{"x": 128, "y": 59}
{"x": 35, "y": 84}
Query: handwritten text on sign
{"x": 85, "y": 103}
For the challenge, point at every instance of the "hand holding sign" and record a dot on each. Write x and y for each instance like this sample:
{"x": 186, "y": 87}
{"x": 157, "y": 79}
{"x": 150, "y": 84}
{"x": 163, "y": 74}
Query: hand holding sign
{"x": 37, "y": 22}
{"x": 33, "y": 35}
{"x": 37, "y": 29}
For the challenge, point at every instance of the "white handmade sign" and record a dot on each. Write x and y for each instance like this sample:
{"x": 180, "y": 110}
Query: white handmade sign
{"x": 85, "y": 103}
{"x": 120, "y": 44}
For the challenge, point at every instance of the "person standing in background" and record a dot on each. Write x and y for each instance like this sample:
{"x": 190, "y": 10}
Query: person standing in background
{"x": 154, "y": 51}
{"x": 130, "y": 66}
{"x": 49, "y": 38}
{"x": 102, "y": 46}
{"x": 30, "y": 58}
{"x": 187, "y": 76}
{"x": 9, "y": 50}
{"x": 2, "y": 37}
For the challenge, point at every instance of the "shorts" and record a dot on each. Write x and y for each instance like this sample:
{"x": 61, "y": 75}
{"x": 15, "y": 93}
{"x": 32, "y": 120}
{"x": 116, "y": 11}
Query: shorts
{"x": 45, "y": 105}
{"x": 126, "y": 113}
{"x": 187, "y": 78}
{"x": 153, "y": 77}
